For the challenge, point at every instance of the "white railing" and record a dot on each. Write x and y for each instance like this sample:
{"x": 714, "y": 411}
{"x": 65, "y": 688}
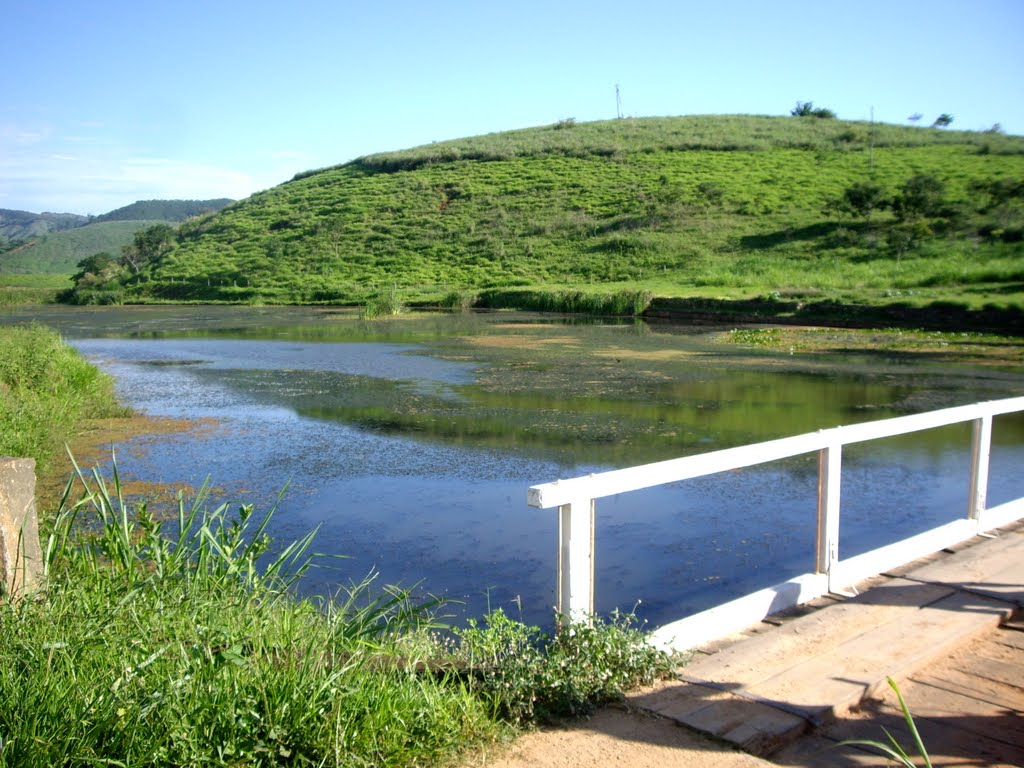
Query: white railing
{"x": 575, "y": 499}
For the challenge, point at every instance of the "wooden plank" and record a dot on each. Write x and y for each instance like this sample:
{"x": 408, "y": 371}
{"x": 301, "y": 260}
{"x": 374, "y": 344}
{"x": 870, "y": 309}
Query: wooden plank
{"x": 764, "y": 730}
{"x": 945, "y": 741}
{"x": 827, "y": 685}
{"x": 752, "y": 726}
{"x": 996, "y": 671}
{"x": 989, "y": 691}
{"x": 969, "y": 713}
{"x": 765, "y": 656}
{"x": 992, "y": 567}
{"x": 1011, "y": 638}
{"x": 676, "y": 700}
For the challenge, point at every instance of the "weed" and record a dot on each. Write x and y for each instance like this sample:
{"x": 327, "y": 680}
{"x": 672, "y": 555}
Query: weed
{"x": 760, "y": 337}
{"x": 894, "y": 750}
{"x": 528, "y": 676}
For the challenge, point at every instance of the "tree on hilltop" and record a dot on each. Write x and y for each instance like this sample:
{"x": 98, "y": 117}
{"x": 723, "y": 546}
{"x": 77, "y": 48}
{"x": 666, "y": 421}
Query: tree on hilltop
{"x": 943, "y": 121}
{"x": 807, "y": 109}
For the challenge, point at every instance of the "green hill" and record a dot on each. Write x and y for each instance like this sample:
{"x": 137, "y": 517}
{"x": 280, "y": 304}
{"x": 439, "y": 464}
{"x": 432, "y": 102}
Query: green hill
{"x": 716, "y": 206}
{"x": 164, "y": 210}
{"x": 18, "y": 226}
{"x": 60, "y": 252}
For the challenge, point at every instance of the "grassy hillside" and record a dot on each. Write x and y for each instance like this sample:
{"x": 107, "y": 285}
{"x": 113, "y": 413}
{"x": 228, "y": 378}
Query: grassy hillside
{"x": 164, "y": 210}
{"x": 734, "y": 206}
{"x": 60, "y": 252}
{"x": 18, "y": 226}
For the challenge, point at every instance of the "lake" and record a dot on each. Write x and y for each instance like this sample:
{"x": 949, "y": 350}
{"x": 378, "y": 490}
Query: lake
{"x": 411, "y": 442}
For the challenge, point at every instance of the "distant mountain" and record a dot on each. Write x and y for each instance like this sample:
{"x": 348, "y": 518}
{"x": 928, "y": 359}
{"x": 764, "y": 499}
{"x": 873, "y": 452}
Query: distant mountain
{"x": 164, "y": 210}
{"x": 55, "y": 242}
{"x": 22, "y": 225}
{"x": 60, "y": 252}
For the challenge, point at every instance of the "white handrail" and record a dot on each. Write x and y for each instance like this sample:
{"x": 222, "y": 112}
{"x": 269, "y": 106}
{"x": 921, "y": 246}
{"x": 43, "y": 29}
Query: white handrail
{"x": 576, "y": 497}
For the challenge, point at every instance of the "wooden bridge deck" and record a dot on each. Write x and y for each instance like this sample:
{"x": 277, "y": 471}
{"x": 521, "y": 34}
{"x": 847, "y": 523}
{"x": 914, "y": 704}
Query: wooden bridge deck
{"x": 945, "y": 628}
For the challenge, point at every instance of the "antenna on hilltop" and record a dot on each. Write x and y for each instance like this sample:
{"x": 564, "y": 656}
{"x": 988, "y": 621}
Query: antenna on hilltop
{"x": 871, "y": 147}
{"x": 618, "y": 103}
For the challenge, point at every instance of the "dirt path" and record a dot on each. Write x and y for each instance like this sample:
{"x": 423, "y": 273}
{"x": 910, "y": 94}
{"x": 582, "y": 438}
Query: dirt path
{"x": 615, "y": 736}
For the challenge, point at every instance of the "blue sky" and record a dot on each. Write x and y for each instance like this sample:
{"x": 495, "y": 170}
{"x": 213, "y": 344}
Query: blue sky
{"x": 109, "y": 102}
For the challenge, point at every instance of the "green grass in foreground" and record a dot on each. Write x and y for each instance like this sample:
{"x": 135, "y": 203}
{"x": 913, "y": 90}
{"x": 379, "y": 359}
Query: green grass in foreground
{"x": 46, "y": 390}
{"x": 183, "y": 645}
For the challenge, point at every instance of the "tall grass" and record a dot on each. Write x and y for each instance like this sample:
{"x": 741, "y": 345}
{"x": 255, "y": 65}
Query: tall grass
{"x": 46, "y": 390}
{"x": 177, "y": 640}
{"x": 629, "y": 303}
{"x": 179, "y": 643}
{"x": 12, "y": 296}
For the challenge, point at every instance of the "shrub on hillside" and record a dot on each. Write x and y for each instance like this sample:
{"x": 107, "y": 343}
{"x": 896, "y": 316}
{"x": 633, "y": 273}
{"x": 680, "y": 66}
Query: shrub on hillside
{"x": 807, "y": 109}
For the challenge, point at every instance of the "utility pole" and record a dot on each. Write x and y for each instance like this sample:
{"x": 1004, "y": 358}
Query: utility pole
{"x": 871, "y": 145}
{"x": 618, "y": 103}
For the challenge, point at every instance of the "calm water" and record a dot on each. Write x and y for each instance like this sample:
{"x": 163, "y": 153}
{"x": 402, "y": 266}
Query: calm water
{"x": 412, "y": 444}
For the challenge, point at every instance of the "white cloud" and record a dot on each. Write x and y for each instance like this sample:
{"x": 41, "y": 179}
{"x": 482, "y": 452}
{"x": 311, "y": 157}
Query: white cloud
{"x": 18, "y": 134}
{"x": 36, "y": 177}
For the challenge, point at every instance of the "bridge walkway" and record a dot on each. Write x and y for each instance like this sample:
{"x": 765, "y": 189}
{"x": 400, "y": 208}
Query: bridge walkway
{"x": 947, "y": 628}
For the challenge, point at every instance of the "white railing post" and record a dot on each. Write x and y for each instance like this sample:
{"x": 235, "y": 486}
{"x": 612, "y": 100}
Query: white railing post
{"x": 981, "y": 447}
{"x": 830, "y": 462}
{"x": 576, "y": 561}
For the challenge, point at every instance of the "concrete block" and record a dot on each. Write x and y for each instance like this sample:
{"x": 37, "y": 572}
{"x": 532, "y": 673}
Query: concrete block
{"x": 21, "y": 559}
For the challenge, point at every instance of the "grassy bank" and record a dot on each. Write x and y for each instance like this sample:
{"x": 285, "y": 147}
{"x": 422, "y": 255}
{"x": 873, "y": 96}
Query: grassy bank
{"x": 173, "y": 636}
{"x": 47, "y": 390}
{"x": 41, "y": 288}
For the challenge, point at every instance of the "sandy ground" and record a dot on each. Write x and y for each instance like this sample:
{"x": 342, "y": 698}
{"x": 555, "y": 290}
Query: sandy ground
{"x": 614, "y": 736}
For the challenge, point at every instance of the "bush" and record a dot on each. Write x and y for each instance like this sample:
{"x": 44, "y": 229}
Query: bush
{"x": 920, "y": 195}
{"x": 807, "y": 109}
{"x": 388, "y": 303}
{"x": 459, "y": 301}
{"x": 861, "y": 199}
{"x": 528, "y": 676}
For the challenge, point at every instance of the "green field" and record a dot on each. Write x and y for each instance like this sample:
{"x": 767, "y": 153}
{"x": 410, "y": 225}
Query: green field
{"x": 731, "y": 207}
